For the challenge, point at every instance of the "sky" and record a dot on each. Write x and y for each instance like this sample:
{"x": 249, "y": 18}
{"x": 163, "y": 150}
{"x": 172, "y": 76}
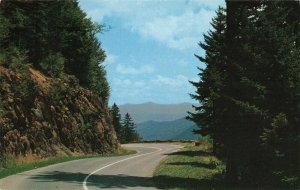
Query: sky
{"x": 150, "y": 46}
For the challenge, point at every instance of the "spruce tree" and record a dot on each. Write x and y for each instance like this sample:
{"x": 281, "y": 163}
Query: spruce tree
{"x": 4, "y": 31}
{"x": 261, "y": 57}
{"x": 46, "y": 29}
{"x": 128, "y": 130}
{"x": 249, "y": 91}
{"x": 280, "y": 138}
{"x": 209, "y": 114}
{"x": 116, "y": 121}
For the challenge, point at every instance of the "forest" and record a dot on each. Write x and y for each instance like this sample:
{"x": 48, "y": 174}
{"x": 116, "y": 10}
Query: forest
{"x": 55, "y": 37}
{"x": 249, "y": 91}
{"x": 125, "y": 128}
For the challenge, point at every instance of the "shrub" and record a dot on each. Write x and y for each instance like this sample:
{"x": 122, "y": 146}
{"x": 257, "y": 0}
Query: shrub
{"x": 7, "y": 160}
{"x": 56, "y": 92}
{"x": 2, "y": 110}
{"x": 53, "y": 64}
{"x": 17, "y": 60}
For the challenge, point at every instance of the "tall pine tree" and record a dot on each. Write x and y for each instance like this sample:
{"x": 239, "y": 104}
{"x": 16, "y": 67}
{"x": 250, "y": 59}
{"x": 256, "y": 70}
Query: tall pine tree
{"x": 249, "y": 91}
{"x": 128, "y": 130}
{"x": 60, "y": 30}
{"x": 116, "y": 121}
{"x": 209, "y": 89}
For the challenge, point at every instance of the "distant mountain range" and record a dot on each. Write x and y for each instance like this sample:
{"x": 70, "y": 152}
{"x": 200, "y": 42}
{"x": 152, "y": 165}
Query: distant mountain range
{"x": 161, "y": 121}
{"x": 156, "y": 112}
{"x": 180, "y": 129}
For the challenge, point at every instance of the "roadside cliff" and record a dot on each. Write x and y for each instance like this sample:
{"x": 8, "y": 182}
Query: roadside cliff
{"x": 45, "y": 117}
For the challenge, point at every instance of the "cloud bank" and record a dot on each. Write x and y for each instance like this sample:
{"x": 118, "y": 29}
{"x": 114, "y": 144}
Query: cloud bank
{"x": 177, "y": 24}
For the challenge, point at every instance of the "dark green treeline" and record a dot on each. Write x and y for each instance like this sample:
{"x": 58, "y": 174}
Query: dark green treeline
{"x": 125, "y": 128}
{"x": 55, "y": 37}
{"x": 250, "y": 91}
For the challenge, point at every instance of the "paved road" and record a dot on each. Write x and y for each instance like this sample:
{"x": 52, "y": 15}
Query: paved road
{"x": 124, "y": 172}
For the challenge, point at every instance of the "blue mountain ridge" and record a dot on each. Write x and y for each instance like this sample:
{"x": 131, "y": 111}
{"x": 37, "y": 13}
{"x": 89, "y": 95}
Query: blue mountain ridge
{"x": 180, "y": 129}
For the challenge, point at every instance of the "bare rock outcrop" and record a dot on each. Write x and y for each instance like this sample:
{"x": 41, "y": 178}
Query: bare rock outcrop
{"x": 46, "y": 117}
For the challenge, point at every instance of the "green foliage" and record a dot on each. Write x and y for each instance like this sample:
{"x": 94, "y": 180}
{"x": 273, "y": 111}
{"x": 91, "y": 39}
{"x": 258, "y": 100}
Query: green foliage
{"x": 128, "y": 132}
{"x": 85, "y": 127}
{"x": 88, "y": 125}
{"x": 58, "y": 37}
{"x": 3, "y": 27}
{"x": 249, "y": 91}
{"x": 2, "y": 109}
{"x": 2, "y": 58}
{"x": 210, "y": 89}
{"x": 125, "y": 129}
{"x": 24, "y": 89}
{"x": 278, "y": 142}
{"x": 7, "y": 161}
{"x": 11, "y": 167}
{"x": 55, "y": 37}
{"x": 193, "y": 167}
{"x": 56, "y": 92}
{"x": 17, "y": 61}
{"x": 116, "y": 120}
{"x": 206, "y": 140}
{"x": 271, "y": 137}
{"x": 53, "y": 64}
{"x": 97, "y": 81}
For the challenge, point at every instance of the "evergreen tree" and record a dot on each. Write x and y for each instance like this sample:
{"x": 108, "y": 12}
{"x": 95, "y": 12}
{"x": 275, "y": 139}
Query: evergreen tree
{"x": 209, "y": 89}
{"x": 244, "y": 94}
{"x": 3, "y": 28}
{"x": 128, "y": 132}
{"x": 53, "y": 64}
{"x": 282, "y": 82}
{"x": 249, "y": 91}
{"x": 56, "y": 30}
{"x": 116, "y": 121}
{"x": 267, "y": 56}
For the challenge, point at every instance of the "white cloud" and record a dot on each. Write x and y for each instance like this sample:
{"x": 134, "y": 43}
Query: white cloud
{"x": 127, "y": 82}
{"x": 131, "y": 89}
{"x": 110, "y": 58}
{"x": 177, "y": 31}
{"x": 160, "y": 89}
{"x": 145, "y": 69}
{"x": 177, "y": 24}
{"x": 177, "y": 81}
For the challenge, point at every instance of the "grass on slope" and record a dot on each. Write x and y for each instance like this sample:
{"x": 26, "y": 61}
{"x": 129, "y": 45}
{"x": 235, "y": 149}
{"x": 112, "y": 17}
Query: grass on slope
{"x": 193, "y": 167}
{"x": 13, "y": 166}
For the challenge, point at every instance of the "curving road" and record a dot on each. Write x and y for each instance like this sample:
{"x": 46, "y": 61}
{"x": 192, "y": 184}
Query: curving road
{"x": 124, "y": 172}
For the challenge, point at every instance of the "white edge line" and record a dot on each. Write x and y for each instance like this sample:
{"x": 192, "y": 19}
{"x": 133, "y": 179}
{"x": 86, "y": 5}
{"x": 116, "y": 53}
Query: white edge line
{"x": 84, "y": 186}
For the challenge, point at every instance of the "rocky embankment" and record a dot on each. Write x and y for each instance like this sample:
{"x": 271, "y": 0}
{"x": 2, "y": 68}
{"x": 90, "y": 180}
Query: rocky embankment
{"x": 45, "y": 117}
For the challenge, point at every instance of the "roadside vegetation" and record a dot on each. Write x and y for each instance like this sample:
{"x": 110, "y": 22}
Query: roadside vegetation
{"x": 249, "y": 92}
{"x": 12, "y": 165}
{"x": 195, "y": 168}
{"x": 53, "y": 86}
{"x": 192, "y": 167}
{"x": 125, "y": 128}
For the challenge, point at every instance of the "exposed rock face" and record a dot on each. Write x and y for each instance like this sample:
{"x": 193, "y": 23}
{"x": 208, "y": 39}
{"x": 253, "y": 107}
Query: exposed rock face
{"x": 53, "y": 117}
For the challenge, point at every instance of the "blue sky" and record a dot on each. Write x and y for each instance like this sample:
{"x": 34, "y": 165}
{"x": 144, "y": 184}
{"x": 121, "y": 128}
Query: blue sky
{"x": 151, "y": 45}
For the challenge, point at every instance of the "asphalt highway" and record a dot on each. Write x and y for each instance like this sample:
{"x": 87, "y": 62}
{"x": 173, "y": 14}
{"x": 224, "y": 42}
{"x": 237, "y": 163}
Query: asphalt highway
{"x": 123, "y": 172}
